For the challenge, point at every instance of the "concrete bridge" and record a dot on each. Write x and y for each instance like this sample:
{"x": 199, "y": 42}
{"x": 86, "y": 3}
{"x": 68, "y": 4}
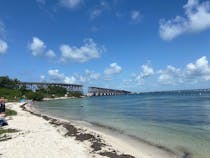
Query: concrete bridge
{"x": 97, "y": 91}
{"x": 37, "y": 85}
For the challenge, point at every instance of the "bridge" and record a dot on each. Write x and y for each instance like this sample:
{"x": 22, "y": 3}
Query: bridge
{"x": 97, "y": 91}
{"x": 37, "y": 85}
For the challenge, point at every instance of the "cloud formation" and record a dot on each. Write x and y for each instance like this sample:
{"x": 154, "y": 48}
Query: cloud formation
{"x": 198, "y": 70}
{"x": 170, "y": 75}
{"x": 114, "y": 68}
{"x": 95, "y": 13}
{"x": 37, "y": 46}
{"x": 56, "y": 76}
{"x": 135, "y": 16}
{"x": 42, "y": 78}
{"x": 71, "y": 4}
{"x": 89, "y": 75}
{"x": 99, "y": 9}
{"x": 3, "y": 46}
{"x": 196, "y": 19}
{"x": 43, "y": 2}
{"x": 3, "y": 43}
{"x": 192, "y": 73}
{"x": 146, "y": 71}
{"x": 50, "y": 54}
{"x": 88, "y": 51}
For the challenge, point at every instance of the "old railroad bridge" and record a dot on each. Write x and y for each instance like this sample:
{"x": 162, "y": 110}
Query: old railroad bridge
{"x": 37, "y": 85}
{"x": 92, "y": 91}
{"x": 97, "y": 91}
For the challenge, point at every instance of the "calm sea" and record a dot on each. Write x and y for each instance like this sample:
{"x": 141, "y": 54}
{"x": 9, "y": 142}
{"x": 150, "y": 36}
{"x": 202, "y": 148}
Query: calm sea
{"x": 177, "y": 120}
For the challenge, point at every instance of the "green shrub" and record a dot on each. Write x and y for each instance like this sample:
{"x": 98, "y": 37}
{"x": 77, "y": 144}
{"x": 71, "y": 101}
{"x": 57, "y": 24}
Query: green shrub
{"x": 75, "y": 94}
{"x": 4, "y": 131}
{"x": 10, "y": 112}
{"x": 56, "y": 91}
{"x": 10, "y": 94}
{"x": 6, "y": 82}
{"x": 10, "y": 90}
{"x": 37, "y": 96}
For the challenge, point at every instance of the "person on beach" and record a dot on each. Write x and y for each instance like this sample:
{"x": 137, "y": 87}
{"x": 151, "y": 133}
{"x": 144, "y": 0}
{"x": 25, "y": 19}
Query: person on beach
{"x": 3, "y": 122}
{"x": 2, "y": 107}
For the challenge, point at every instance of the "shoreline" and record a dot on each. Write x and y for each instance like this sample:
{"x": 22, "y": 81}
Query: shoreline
{"x": 80, "y": 134}
{"x": 62, "y": 98}
{"x": 126, "y": 141}
{"x": 99, "y": 143}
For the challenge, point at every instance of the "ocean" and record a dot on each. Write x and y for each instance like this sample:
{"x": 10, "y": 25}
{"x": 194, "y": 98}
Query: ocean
{"x": 177, "y": 120}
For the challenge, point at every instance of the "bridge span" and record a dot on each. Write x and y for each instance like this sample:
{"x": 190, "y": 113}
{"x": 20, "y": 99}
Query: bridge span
{"x": 37, "y": 85}
{"x": 97, "y": 91}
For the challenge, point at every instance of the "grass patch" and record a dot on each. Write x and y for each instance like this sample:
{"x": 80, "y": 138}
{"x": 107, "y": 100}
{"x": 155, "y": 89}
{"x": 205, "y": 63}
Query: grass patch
{"x": 10, "y": 112}
{"x": 5, "y": 131}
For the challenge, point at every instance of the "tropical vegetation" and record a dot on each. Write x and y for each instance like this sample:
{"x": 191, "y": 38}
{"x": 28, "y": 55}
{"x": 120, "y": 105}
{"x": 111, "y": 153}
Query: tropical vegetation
{"x": 10, "y": 89}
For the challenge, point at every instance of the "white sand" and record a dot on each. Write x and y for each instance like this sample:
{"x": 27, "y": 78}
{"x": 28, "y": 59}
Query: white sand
{"x": 39, "y": 139}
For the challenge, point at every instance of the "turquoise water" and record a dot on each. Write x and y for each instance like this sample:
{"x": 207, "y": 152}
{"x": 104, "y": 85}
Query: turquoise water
{"x": 179, "y": 121}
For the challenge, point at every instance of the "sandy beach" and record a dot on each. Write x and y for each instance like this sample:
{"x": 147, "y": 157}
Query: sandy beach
{"x": 43, "y": 136}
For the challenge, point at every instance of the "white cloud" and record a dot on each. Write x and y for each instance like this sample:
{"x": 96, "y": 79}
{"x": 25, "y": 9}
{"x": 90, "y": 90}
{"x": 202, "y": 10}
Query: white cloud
{"x": 95, "y": 13}
{"x": 50, "y": 54}
{"x": 199, "y": 69}
{"x": 37, "y": 46}
{"x": 196, "y": 19}
{"x": 134, "y": 79}
{"x": 3, "y": 46}
{"x": 91, "y": 75}
{"x": 113, "y": 69}
{"x": 70, "y": 3}
{"x": 171, "y": 75}
{"x": 88, "y": 77}
{"x": 57, "y": 76}
{"x": 146, "y": 71}
{"x": 43, "y": 2}
{"x": 192, "y": 73}
{"x": 99, "y": 9}
{"x": 42, "y": 78}
{"x": 70, "y": 79}
{"x": 55, "y": 73}
{"x": 135, "y": 15}
{"x": 88, "y": 51}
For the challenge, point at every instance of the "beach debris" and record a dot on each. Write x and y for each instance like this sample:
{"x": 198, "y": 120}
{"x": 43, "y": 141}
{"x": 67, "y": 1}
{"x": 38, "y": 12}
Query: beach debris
{"x": 5, "y": 134}
{"x": 115, "y": 155}
{"x": 5, "y": 138}
{"x": 97, "y": 144}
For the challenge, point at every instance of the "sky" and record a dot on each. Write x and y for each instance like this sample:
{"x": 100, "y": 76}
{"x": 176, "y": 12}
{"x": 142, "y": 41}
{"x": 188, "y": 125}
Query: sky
{"x": 135, "y": 45}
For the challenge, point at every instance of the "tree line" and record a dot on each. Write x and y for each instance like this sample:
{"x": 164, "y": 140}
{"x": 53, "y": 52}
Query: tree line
{"x": 11, "y": 90}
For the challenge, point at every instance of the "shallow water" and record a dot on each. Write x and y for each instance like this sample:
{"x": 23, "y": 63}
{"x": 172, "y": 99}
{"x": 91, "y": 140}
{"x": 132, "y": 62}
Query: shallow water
{"x": 176, "y": 120}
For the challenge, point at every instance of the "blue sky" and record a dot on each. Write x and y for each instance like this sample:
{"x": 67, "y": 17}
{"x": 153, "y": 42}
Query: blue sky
{"x": 138, "y": 45}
